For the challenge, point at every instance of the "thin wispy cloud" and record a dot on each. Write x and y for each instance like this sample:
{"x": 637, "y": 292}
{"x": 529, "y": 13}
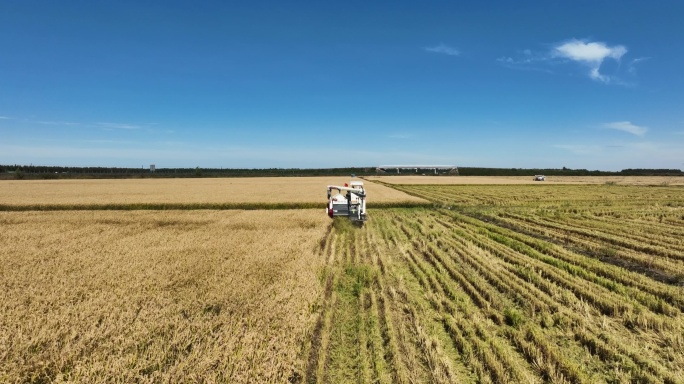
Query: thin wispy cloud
{"x": 119, "y": 126}
{"x": 526, "y": 60}
{"x": 581, "y": 149}
{"x": 626, "y": 126}
{"x": 628, "y": 154}
{"x": 62, "y": 123}
{"x": 102, "y": 125}
{"x": 402, "y": 136}
{"x": 443, "y": 49}
{"x": 238, "y": 156}
{"x": 526, "y": 56}
{"x": 632, "y": 64}
{"x": 106, "y": 126}
{"x": 59, "y": 142}
{"x": 628, "y": 148}
{"x": 591, "y": 54}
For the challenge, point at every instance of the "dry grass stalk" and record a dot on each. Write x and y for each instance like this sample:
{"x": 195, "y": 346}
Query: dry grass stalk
{"x": 142, "y": 296}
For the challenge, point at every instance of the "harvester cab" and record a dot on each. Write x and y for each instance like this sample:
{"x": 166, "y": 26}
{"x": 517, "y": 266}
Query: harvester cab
{"x": 348, "y": 200}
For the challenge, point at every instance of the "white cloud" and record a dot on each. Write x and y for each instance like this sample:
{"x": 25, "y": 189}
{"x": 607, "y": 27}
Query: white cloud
{"x": 626, "y": 126}
{"x": 591, "y": 54}
{"x": 594, "y": 52}
{"x": 4, "y": 118}
{"x": 443, "y": 49}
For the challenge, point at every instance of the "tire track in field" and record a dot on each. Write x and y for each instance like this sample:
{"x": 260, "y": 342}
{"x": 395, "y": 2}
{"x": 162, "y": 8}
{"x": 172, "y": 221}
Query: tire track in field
{"x": 365, "y": 331}
{"x": 342, "y": 345}
{"x": 320, "y": 330}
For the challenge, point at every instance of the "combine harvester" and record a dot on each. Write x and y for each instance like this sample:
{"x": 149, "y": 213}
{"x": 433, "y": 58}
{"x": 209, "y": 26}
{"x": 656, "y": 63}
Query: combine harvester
{"x": 352, "y": 204}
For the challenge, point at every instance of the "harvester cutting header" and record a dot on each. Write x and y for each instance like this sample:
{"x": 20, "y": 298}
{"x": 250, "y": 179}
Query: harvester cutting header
{"x": 351, "y": 204}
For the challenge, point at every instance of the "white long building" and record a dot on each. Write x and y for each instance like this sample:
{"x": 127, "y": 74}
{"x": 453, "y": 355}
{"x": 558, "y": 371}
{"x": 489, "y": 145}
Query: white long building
{"x": 451, "y": 169}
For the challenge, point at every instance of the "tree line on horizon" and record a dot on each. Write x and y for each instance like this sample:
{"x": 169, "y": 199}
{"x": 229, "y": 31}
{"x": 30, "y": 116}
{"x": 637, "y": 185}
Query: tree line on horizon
{"x": 60, "y": 172}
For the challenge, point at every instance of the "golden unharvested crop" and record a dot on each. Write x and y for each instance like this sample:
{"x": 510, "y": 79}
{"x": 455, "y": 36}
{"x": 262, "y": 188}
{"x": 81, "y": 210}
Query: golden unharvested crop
{"x": 185, "y": 191}
{"x": 150, "y": 296}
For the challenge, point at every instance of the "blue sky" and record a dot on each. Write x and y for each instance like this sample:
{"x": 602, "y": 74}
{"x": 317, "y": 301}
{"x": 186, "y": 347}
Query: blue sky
{"x": 577, "y": 84}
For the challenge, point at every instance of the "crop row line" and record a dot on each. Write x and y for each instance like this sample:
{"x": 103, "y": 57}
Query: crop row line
{"x": 606, "y": 301}
{"x": 656, "y": 296}
{"x": 655, "y": 233}
{"x": 581, "y": 324}
{"x": 596, "y": 246}
{"x": 604, "y": 237}
{"x": 490, "y": 358}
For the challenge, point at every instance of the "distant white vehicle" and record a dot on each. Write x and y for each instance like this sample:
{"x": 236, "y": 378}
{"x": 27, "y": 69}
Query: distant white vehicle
{"x": 540, "y": 178}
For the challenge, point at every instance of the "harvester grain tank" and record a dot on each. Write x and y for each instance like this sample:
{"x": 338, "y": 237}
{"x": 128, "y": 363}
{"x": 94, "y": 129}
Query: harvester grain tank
{"x": 348, "y": 200}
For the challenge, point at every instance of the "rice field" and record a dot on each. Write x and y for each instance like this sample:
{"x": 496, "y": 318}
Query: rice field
{"x": 507, "y": 284}
{"x": 181, "y": 193}
{"x": 486, "y": 284}
{"x": 149, "y": 296}
{"x": 508, "y": 180}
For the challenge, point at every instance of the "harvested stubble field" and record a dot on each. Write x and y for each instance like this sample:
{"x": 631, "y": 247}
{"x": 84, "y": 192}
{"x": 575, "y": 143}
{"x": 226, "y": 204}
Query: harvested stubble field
{"x": 508, "y": 284}
{"x": 491, "y": 284}
{"x": 507, "y": 180}
{"x": 219, "y": 193}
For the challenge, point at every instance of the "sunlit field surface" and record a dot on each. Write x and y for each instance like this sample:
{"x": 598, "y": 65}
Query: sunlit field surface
{"x": 484, "y": 180}
{"x": 485, "y": 284}
{"x": 149, "y": 296}
{"x": 508, "y": 284}
{"x": 263, "y": 190}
